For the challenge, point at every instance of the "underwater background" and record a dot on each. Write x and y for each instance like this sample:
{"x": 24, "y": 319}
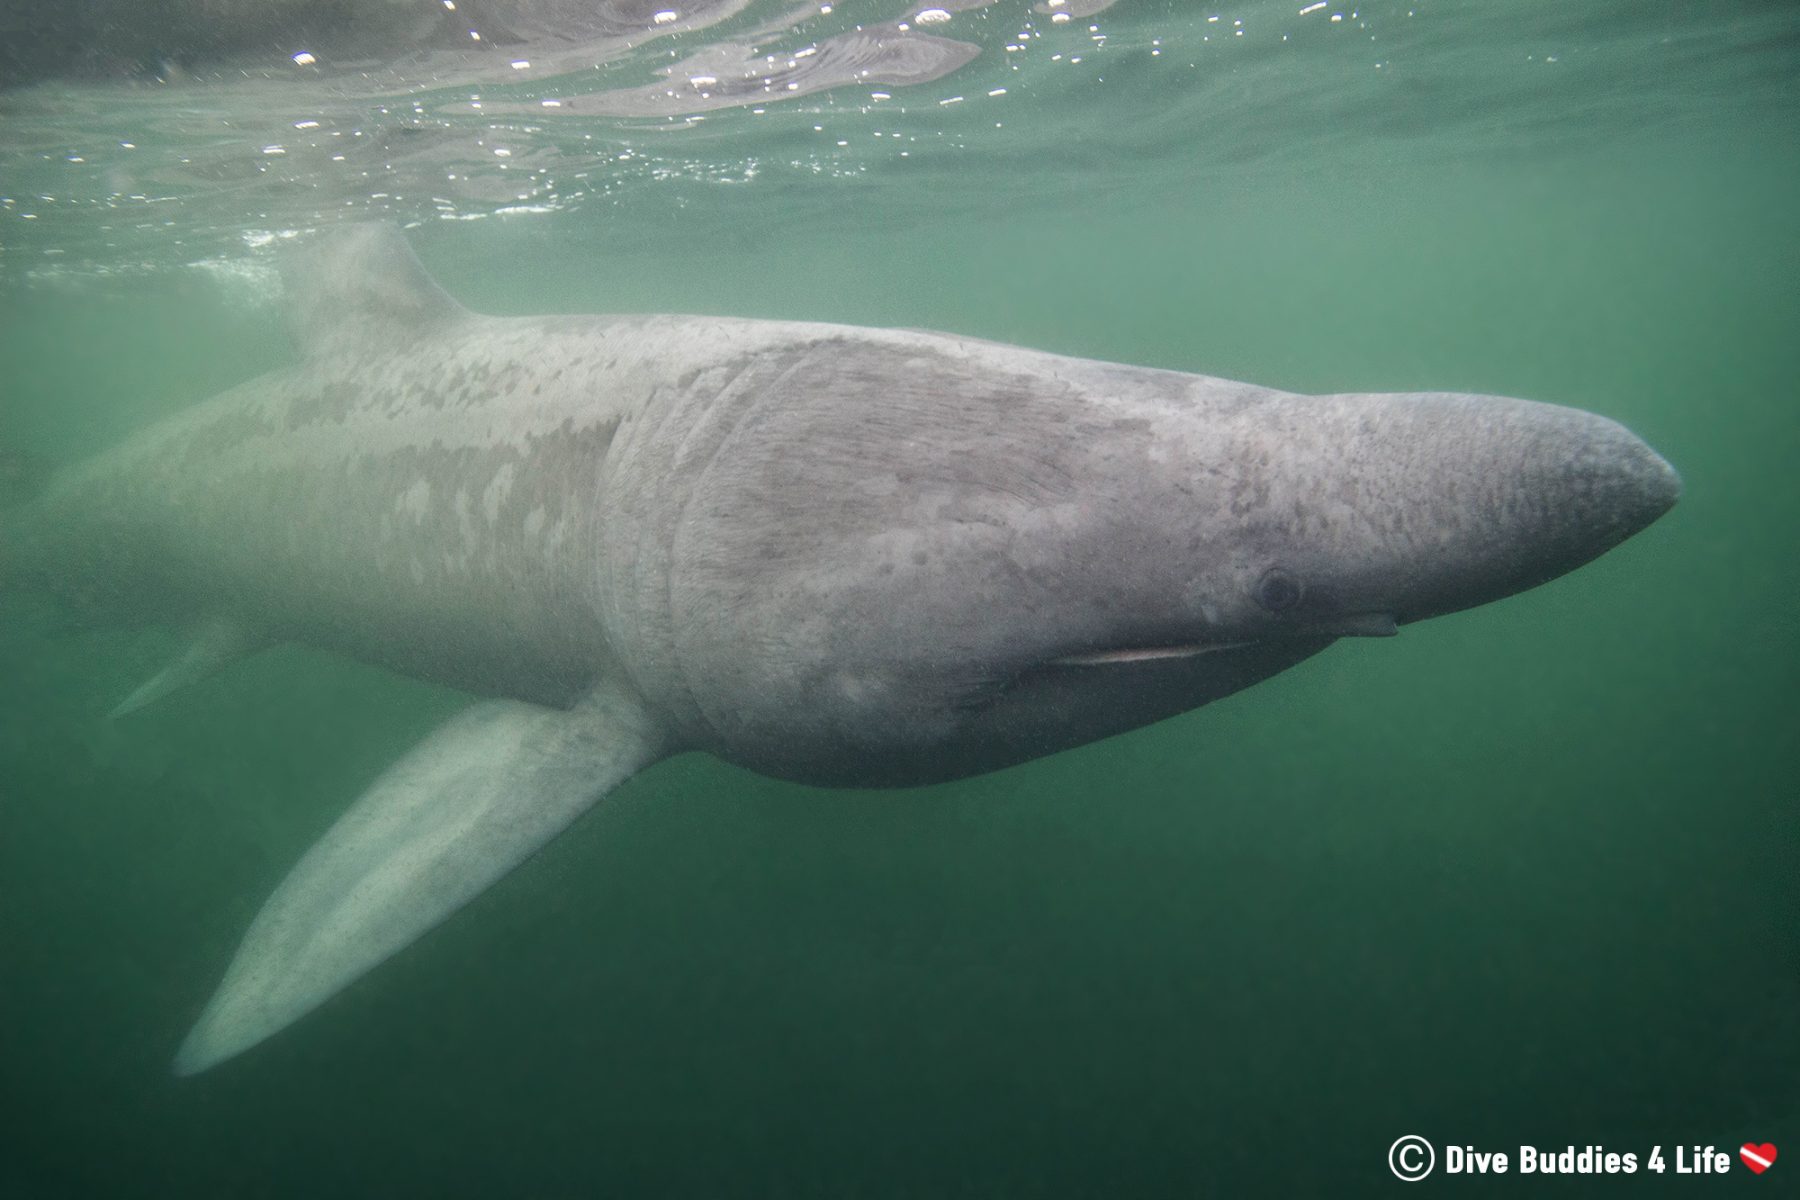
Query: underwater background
{"x": 1525, "y": 875}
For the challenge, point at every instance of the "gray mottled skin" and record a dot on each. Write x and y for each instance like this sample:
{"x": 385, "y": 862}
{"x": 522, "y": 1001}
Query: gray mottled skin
{"x": 838, "y": 555}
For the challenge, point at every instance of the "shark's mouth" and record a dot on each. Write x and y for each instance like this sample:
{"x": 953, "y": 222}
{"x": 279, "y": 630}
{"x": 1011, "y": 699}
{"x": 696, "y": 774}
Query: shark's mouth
{"x": 1356, "y": 624}
{"x": 1363, "y": 624}
{"x": 1139, "y": 654}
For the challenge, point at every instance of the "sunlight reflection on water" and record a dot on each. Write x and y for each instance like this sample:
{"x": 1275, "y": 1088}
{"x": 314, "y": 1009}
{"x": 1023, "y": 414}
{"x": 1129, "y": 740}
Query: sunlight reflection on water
{"x": 512, "y": 107}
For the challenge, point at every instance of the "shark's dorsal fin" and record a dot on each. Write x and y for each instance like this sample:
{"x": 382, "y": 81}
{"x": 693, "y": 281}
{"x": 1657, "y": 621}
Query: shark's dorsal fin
{"x": 362, "y": 285}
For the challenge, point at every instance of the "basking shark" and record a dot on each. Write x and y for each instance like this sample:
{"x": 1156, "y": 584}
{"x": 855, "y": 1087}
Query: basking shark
{"x": 844, "y": 556}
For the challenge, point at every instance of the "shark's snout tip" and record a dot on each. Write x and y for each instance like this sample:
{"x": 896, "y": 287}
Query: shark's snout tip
{"x": 1656, "y": 485}
{"x": 1639, "y": 484}
{"x": 1668, "y": 483}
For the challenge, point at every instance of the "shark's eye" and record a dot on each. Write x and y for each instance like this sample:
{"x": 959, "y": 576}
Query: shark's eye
{"x": 1278, "y": 591}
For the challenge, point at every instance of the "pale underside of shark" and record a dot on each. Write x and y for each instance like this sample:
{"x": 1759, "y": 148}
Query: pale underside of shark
{"x": 838, "y": 555}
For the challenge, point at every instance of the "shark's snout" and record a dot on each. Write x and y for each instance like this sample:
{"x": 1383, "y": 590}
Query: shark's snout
{"x": 1645, "y": 485}
{"x": 1565, "y": 486}
{"x": 1472, "y": 498}
{"x": 1584, "y": 484}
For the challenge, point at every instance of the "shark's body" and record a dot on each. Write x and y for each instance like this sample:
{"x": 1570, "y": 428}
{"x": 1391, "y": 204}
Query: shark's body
{"x": 838, "y": 555}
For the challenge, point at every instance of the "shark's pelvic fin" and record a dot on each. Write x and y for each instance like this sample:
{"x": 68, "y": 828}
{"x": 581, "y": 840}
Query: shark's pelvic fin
{"x": 212, "y": 646}
{"x": 465, "y": 806}
{"x": 360, "y": 288}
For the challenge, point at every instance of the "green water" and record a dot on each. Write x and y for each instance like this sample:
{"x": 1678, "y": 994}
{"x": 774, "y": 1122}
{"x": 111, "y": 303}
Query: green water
{"x": 1524, "y": 875}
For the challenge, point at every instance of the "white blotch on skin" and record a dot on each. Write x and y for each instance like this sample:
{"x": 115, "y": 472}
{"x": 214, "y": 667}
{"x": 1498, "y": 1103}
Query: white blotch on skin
{"x": 858, "y": 688}
{"x": 465, "y": 521}
{"x": 497, "y": 490}
{"x": 415, "y": 501}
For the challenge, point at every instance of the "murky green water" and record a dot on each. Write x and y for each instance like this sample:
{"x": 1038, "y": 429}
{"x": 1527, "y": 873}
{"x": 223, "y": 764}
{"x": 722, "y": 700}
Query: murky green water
{"x": 1524, "y": 875}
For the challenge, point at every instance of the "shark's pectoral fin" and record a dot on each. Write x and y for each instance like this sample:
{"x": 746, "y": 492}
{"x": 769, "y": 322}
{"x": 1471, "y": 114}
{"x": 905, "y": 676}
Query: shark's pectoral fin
{"x": 465, "y": 806}
{"x": 212, "y": 646}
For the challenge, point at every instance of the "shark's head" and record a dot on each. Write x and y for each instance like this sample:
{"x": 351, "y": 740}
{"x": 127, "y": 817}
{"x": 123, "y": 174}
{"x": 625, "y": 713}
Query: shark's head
{"x": 992, "y": 555}
{"x": 1355, "y": 514}
{"x": 1264, "y": 527}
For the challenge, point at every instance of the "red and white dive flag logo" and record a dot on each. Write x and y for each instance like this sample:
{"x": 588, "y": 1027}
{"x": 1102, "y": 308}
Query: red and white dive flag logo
{"x": 1757, "y": 1158}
